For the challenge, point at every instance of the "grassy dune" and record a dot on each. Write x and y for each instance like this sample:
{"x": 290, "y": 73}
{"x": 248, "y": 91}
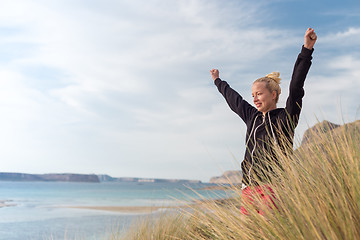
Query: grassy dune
{"x": 317, "y": 192}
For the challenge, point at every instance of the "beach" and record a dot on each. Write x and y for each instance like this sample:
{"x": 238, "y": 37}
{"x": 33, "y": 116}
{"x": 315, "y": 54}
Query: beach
{"x": 125, "y": 209}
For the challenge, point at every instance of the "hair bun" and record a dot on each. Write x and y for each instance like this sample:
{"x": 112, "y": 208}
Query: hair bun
{"x": 274, "y": 76}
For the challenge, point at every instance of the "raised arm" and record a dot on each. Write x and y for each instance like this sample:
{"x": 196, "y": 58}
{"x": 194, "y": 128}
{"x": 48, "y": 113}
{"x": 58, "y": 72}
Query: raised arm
{"x": 233, "y": 98}
{"x": 301, "y": 68}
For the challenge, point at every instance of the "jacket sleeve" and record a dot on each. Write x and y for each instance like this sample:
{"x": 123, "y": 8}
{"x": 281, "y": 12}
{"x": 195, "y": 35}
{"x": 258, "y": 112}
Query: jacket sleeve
{"x": 235, "y": 101}
{"x": 296, "y": 89}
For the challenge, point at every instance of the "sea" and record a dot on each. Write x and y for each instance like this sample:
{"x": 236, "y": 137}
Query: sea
{"x": 43, "y": 210}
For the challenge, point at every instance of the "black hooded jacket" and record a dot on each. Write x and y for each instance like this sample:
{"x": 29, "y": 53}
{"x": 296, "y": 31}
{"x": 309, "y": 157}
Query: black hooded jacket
{"x": 274, "y": 126}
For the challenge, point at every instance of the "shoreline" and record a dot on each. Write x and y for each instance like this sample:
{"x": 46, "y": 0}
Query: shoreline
{"x": 125, "y": 209}
{"x": 150, "y": 209}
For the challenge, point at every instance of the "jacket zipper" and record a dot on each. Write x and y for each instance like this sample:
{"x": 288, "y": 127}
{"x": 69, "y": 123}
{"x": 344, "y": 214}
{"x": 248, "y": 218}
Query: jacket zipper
{"x": 252, "y": 152}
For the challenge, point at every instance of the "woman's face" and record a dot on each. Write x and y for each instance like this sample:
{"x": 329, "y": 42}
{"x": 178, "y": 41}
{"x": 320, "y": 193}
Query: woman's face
{"x": 264, "y": 100}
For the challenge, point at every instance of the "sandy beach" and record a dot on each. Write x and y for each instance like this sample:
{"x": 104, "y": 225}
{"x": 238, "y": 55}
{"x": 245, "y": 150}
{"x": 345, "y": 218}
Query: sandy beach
{"x": 151, "y": 209}
{"x": 125, "y": 209}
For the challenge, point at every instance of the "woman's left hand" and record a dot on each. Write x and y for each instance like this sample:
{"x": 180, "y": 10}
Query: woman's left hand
{"x": 310, "y": 38}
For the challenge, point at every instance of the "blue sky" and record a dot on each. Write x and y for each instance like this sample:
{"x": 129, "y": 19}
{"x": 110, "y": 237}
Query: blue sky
{"x": 123, "y": 87}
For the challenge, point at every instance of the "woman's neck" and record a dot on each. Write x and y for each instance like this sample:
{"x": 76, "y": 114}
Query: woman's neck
{"x": 272, "y": 108}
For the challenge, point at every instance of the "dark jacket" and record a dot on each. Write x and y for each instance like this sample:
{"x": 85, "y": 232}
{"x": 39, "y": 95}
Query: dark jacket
{"x": 274, "y": 127}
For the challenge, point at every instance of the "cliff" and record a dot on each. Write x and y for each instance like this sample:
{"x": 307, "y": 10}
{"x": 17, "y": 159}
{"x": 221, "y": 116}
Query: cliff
{"x": 324, "y": 127}
{"x": 63, "y": 177}
{"x": 330, "y": 129}
{"x": 233, "y": 177}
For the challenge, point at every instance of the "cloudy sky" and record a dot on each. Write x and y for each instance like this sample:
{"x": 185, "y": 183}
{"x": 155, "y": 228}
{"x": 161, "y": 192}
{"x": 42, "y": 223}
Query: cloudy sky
{"x": 123, "y": 87}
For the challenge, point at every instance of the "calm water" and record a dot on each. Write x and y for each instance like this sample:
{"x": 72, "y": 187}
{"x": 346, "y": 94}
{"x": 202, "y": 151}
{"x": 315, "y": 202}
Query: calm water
{"x": 40, "y": 208}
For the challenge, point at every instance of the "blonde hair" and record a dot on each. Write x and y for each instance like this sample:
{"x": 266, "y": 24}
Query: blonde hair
{"x": 272, "y": 81}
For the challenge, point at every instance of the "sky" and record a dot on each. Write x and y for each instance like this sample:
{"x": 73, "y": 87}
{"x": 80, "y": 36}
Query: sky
{"x": 123, "y": 87}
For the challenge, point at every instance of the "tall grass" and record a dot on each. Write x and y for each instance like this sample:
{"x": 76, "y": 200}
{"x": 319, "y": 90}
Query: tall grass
{"x": 317, "y": 193}
{"x": 167, "y": 226}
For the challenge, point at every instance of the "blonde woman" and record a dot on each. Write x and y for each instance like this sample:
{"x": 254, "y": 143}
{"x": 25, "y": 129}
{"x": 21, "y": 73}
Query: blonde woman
{"x": 267, "y": 124}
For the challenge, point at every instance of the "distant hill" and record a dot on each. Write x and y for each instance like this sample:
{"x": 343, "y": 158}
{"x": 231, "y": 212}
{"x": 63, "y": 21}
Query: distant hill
{"x": 57, "y": 177}
{"x": 332, "y": 129}
{"x": 234, "y": 177}
{"x": 71, "y": 177}
{"x": 107, "y": 178}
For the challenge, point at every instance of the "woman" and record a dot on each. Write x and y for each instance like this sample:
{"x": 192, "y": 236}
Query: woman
{"x": 267, "y": 124}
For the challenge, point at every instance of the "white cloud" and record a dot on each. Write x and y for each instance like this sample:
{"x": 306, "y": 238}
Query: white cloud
{"x": 338, "y": 40}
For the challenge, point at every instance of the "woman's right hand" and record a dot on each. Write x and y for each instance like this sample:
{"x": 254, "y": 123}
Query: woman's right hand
{"x": 214, "y": 74}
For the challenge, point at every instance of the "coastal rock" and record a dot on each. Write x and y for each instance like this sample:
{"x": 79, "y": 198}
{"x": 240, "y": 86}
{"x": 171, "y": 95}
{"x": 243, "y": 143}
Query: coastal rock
{"x": 328, "y": 128}
{"x": 324, "y": 126}
{"x": 228, "y": 177}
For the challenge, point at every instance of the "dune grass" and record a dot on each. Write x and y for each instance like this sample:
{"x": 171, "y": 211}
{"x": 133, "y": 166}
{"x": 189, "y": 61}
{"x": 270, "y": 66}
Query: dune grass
{"x": 171, "y": 224}
{"x": 317, "y": 193}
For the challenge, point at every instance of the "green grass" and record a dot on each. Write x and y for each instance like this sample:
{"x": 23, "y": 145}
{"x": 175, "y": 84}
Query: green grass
{"x": 317, "y": 192}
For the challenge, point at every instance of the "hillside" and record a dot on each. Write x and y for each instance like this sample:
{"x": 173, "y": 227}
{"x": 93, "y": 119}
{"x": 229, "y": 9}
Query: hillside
{"x": 71, "y": 177}
{"x": 330, "y": 129}
{"x": 63, "y": 177}
{"x": 234, "y": 177}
